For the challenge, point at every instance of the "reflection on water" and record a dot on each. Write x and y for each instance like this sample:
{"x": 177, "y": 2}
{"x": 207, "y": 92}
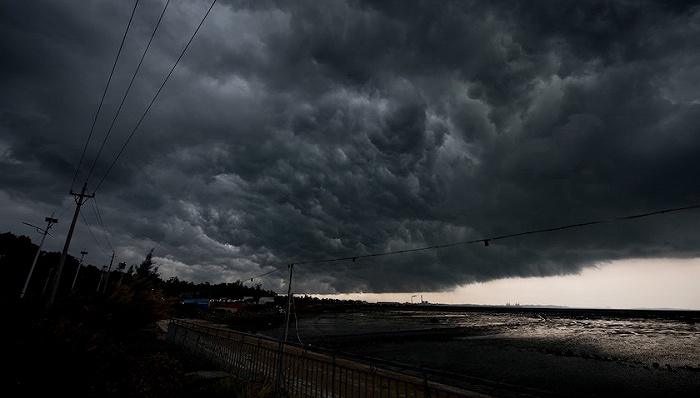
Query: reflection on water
{"x": 656, "y": 336}
{"x": 565, "y": 352}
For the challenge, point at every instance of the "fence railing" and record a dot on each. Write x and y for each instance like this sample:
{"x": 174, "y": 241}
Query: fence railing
{"x": 306, "y": 372}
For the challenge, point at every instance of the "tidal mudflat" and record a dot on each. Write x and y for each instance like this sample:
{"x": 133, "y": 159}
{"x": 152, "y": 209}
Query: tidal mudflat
{"x": 547, "y": 352}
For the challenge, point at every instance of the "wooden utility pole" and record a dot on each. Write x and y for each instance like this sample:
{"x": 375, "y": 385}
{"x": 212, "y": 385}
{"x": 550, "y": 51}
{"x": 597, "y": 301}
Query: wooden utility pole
{"x": 289, "y": 302}
{"x": 104, "y": 290}
{"x": 80, "y": 198}
{"x": 102, "y": 276}
{"x": 286, "y": 327}
{"x": 80, "y": 264}
{"x": 49, "y": 221}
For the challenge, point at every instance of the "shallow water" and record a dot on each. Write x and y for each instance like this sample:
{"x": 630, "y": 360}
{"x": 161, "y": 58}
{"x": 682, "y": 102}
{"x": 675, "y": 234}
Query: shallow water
{"x": 648, "y": 337}
{"x": 570, "y": 352}
{"x": 675, "y": 342}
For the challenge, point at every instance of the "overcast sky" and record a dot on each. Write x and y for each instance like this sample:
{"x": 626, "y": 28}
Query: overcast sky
{"x": 300, "y": 131}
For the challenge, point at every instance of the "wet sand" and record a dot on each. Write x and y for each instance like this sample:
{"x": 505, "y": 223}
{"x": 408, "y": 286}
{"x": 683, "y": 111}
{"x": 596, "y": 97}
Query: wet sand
{"x": 547, "y": 369}
{"x": 536, "y": 353}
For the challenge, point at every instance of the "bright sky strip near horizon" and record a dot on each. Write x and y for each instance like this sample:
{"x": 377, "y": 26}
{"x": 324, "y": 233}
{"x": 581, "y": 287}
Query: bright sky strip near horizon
{"x": 303, "y": 130}
{"x": 625, "y": 284}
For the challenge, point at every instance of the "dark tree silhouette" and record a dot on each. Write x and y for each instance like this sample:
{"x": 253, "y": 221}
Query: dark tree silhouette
{"x": 93, "y": 283}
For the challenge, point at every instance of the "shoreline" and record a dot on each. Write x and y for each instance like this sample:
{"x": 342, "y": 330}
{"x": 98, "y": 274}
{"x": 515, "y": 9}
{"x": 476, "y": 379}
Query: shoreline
{"x": 562, "y": 352}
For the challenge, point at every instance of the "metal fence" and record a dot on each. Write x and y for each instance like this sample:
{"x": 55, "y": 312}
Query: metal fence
{"x": 306, "y": 372}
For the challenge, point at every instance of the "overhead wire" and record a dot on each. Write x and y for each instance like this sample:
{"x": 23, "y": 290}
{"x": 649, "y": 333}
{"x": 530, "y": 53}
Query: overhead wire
{"x": 485, "y": 241}
{"x": 82, "y": 216}
{"x": 65, "y": 209}
{"x": 102, "y": 100}
{"x": 96, "y": 209}
{"x": 266, "y": 273}
{"x": 133, "y": 77}
{"x": 156, "y": 95}
{"x": 104, "y": 94}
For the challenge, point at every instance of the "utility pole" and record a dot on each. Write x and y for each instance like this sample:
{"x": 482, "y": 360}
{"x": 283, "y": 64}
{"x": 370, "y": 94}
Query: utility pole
{"x": 49, "y": 221}
{"x": 79, "y": 200}
{"x": 289, "y": 302}
{"x": 82, "y": 254}
{"x": 108, "y": 271}
{"x": 286, "y": 326}
{"x": 48, "y": 278}
{"x": 102, "y": 275}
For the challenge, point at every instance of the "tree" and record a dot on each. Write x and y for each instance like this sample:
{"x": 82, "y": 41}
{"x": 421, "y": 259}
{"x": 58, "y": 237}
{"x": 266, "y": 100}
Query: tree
{"x": 148, "y": 269}
{"x": 138, "y": 300}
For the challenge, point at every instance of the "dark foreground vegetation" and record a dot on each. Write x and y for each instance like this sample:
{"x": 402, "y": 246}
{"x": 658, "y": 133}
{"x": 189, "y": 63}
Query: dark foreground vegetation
{"x": 66, "y": 356}
{"x": 103, "y": 341}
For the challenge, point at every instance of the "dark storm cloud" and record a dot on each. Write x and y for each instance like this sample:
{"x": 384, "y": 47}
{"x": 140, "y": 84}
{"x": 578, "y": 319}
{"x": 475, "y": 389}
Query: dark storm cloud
{"x": 301, "y": 131}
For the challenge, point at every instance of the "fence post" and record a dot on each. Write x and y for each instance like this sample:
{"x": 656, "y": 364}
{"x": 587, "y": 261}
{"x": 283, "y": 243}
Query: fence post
{"x": 426, "y": 390}
{"x": 303, "y": 374}
{"x": 280, "y": 364}
{"x": 333, "y": 378}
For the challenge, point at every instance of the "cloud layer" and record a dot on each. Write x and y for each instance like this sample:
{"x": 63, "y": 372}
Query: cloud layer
{"x": 303, "y": 131}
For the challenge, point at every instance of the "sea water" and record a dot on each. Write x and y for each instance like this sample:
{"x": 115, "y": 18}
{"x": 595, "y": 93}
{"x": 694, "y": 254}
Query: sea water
{"x": 575, "y": 352}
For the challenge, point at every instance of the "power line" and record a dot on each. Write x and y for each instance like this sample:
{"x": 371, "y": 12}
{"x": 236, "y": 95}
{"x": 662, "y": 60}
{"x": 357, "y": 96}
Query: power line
{"x": 486, "y": 241}
{"x": 82, "y": 216}
{"x": 133, "y": 77}
{"x": 266, "y": 273}
{"x": 65, "y": 209}
{"x": 104, "y": 93}
{"x": 156, "y": 95}
{"x": 96, "y": 209}
{"x": 82, "y": 196}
